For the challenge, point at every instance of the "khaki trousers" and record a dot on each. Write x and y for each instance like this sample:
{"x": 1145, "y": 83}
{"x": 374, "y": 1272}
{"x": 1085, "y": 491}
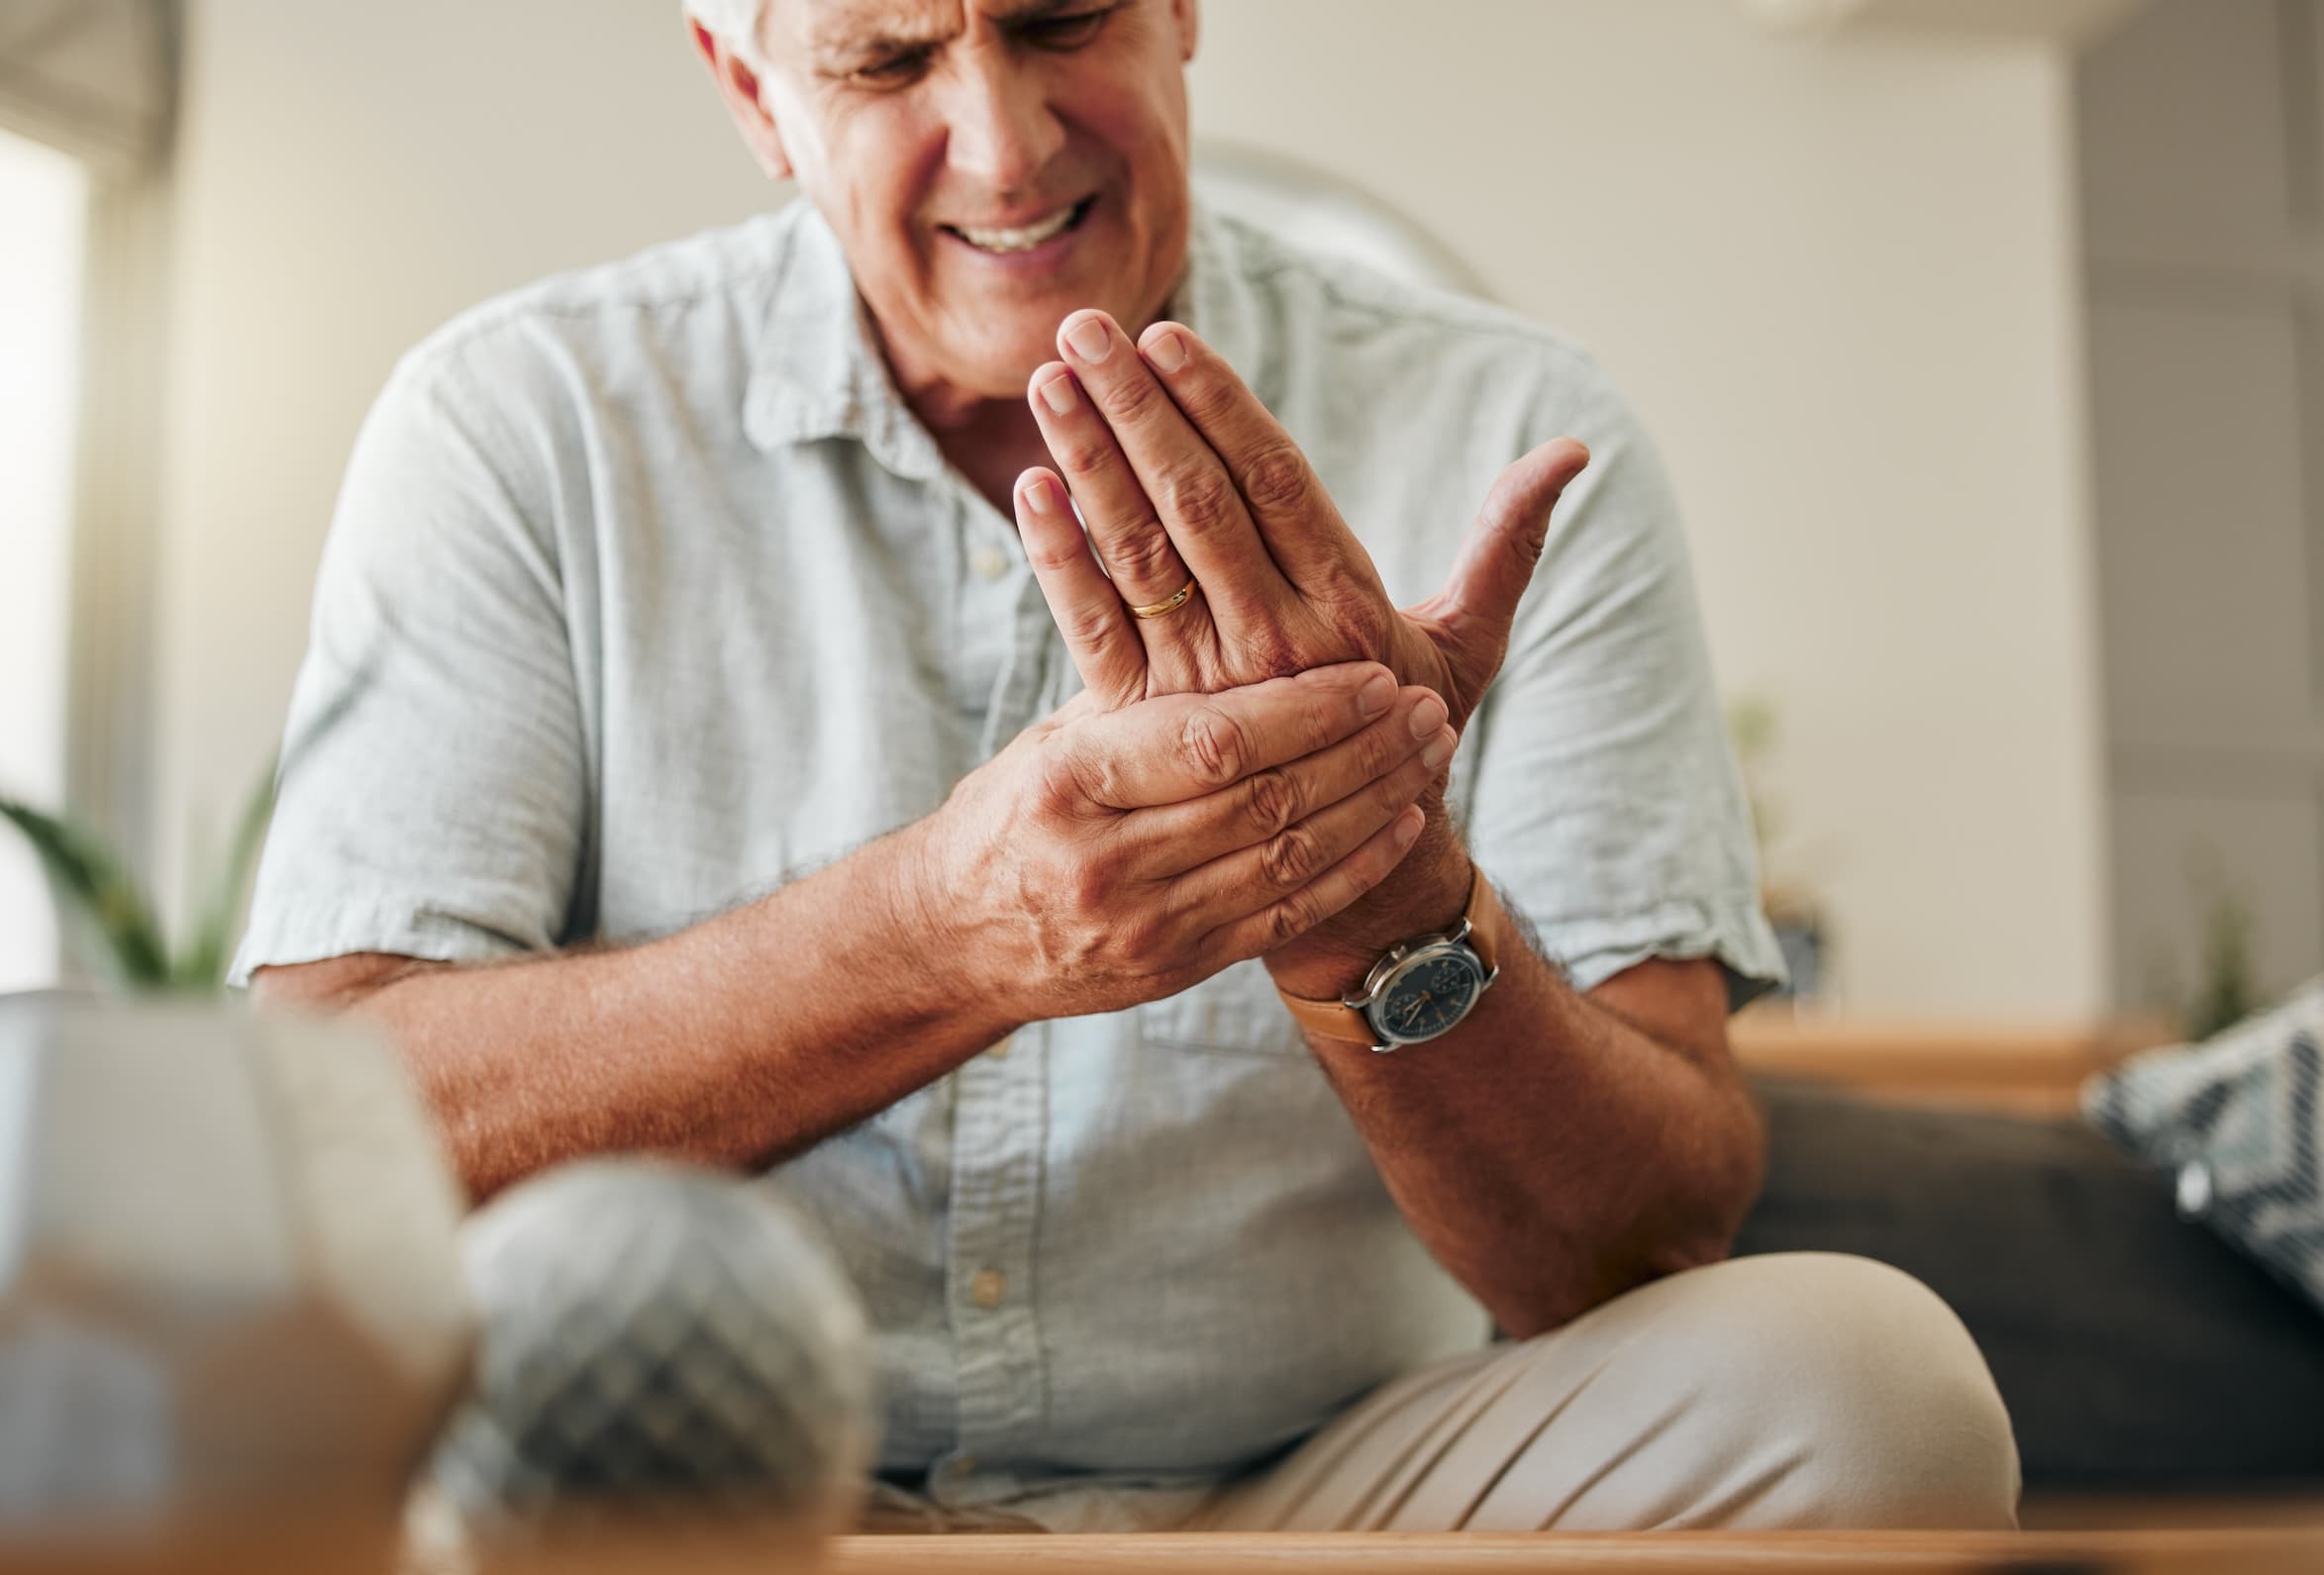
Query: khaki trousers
{"x": 1791, "y": 1390}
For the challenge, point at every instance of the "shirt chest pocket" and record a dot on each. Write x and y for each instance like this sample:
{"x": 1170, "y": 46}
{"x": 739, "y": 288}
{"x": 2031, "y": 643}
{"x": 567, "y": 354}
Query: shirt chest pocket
{"x": 1236, "y": 1011}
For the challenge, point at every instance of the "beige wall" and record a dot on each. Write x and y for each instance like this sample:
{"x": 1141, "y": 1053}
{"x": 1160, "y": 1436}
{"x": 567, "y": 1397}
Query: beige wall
{"x": 1836, "y": 275}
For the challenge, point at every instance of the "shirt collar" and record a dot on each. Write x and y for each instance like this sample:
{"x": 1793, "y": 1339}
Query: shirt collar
{"x": 816, "y": 372}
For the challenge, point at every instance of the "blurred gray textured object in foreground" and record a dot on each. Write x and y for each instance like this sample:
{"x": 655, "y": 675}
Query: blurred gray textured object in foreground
{"x": 657, "y": 1339}
{"x": 228, "y": 1282}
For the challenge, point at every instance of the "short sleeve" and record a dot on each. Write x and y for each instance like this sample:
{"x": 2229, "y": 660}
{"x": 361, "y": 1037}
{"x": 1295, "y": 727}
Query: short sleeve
{"x": 1605, "y": 801}
{"x": 432, "y": 795}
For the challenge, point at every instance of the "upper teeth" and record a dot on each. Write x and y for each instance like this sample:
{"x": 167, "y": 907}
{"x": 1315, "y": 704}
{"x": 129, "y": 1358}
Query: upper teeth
{"x": 1024, "y": 240}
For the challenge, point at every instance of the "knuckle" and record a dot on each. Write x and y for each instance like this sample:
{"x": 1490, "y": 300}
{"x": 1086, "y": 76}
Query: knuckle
{"x": 1276, "y": 476}
{"x": 1084, "y": 453}
{"x": 1143, "y": 555}
{"x": 1089, "y": 885}
{"x": 1274, "y": 654}
{"x": 1377, "y": 753}
{"x": 1141, "y": 939}
{"x": 1134, "y": 399}
{"x": 1059, "y": 781}
{"x": 1090, "y": 627}
{"x": 1213, "y": 744}
{"x": 1292, "y": 857}
{"x": 1291, "y": 917}
{"x": 1199, "y": 498}
{"x": 1271, "y": 802}
{"x": 1209, "y": 399}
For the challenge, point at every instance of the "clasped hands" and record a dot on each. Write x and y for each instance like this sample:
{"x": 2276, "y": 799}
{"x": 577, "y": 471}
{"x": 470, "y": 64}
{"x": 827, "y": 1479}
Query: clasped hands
{"x": 1247, "y": 770}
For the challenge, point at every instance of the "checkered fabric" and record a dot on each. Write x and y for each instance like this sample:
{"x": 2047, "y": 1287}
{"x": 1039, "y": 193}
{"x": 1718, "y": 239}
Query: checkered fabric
{"x": 653, "y": 1334}
{"x": 2236, "y": 1120}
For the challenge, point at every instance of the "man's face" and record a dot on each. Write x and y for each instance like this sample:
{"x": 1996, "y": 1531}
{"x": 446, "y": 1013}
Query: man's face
{"x": 990, "y": 165}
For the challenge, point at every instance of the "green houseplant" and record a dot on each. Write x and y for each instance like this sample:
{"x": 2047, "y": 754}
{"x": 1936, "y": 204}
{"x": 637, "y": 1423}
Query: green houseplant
{"x": 108, "y": 918}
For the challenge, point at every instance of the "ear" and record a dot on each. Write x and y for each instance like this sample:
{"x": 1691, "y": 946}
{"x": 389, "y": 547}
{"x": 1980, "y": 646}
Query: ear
{"x": 1188, "y": 15}
{"x": 738, "y": 87}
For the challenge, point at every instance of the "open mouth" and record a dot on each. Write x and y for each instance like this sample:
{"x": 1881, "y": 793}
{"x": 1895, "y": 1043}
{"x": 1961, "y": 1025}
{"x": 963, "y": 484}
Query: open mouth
{"x": 1001, "y": 242}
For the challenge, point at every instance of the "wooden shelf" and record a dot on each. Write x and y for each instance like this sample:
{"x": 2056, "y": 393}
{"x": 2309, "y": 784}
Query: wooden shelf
{"x": 2030, "y": 1067}
{"x": 2066, "y": 22}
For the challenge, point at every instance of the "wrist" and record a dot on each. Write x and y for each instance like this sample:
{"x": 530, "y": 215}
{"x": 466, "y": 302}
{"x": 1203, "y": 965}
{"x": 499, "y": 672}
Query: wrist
{"x": 932, "y": 924}
{"x": 1425, "y": 894}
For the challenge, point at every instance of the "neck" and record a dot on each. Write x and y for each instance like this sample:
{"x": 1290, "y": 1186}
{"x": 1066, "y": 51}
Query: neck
{"x": 989, "y": 441}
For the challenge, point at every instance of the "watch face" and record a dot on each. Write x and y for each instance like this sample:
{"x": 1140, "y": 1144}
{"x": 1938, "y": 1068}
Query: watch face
{"x": 1428, "y": 997}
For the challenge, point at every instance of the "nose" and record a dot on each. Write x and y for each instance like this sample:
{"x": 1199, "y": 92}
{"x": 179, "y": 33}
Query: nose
{"x": 1000, "y": 130}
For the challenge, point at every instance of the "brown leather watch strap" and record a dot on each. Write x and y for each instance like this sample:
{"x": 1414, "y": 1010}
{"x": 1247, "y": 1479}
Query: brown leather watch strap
{"x": 1336, "y": 1019}
{"x": 1329, "y": 1019}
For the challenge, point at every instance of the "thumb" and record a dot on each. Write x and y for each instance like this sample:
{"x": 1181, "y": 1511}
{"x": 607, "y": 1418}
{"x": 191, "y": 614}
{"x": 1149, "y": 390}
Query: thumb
{"x": 1502, "y": 547}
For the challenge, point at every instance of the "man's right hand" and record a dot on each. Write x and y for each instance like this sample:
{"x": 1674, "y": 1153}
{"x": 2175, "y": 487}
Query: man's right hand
{"x": 1104, "y": 859}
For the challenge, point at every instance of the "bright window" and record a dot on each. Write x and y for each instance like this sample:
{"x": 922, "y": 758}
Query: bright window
{"x": 43, "y": 207}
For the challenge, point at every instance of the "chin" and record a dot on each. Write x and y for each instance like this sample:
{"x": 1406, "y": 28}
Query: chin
{"x": 1002, "y": 366}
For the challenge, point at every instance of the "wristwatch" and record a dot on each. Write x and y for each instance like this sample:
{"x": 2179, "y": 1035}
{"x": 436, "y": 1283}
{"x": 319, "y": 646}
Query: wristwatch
{"x": 1422, "y": 989}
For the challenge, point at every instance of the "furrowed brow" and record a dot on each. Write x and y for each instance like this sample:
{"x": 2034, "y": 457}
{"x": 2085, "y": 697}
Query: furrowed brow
{"x": 1033, "y": 11}
{"x": 846, "y": 42}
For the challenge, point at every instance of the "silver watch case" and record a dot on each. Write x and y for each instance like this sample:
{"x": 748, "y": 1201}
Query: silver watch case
{"x": 1409, "y": 958}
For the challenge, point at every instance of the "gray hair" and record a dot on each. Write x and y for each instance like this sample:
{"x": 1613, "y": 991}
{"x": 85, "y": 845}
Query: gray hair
{"x": 733, "y": 23}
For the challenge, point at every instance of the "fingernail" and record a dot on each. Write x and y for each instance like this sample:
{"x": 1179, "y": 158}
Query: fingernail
{"x": 1058, "y": 393}
{"x": 1408, "y": 826}
{"x": 1428, "y": 716}
{"x": 1089, "y": 339}
{"x": 1167, "y": 351}
{"x": 1376, "y": 695}
{"x": 1040, "y": 497}
{"x": 1440, "y": 749}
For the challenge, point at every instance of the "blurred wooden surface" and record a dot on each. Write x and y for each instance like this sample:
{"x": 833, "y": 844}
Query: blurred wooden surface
{"x": 2034, "y": 1069}
{"x": 2194, "y": 1552}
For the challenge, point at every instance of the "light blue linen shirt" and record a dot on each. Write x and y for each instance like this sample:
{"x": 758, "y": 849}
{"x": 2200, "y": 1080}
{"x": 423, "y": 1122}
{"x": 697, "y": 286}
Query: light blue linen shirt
{"x": 645, "y": 591}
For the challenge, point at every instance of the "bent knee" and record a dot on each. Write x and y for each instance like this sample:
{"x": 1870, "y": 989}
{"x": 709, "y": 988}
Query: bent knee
{"x": 1830, "y": 1391}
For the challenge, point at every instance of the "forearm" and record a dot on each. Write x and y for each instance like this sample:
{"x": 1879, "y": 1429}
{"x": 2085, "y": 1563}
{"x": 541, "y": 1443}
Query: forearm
{"x": 740, "y": 1042}
{"x": 1548, "y": 1151}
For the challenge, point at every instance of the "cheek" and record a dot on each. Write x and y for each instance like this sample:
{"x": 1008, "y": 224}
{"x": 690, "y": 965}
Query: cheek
{"x": 877, "y": 165}
{"x": 1138, "y": 120}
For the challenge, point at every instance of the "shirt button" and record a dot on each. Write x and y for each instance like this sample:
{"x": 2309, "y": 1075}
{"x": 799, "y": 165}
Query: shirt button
{"x": 1000, "y": 1052}
{"x": 987, "y": 1289}
{"x": 988, "y": 563}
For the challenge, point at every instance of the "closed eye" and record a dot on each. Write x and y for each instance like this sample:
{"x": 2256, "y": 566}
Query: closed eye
{"x": 1069, "y": 31}
{"x": 897, "y": 70}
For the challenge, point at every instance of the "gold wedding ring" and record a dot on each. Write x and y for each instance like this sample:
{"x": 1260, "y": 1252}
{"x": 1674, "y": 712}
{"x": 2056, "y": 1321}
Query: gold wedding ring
{"x": 1169, "y": 604}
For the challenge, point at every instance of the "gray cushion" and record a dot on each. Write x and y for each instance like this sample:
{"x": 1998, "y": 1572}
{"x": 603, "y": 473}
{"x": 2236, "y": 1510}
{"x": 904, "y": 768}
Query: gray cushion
{"x": 2235, "y": 1122}
{"x": 2134, "y": 1350}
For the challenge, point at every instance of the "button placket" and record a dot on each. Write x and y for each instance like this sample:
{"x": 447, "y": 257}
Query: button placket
{"x": 1000, "y": 1126}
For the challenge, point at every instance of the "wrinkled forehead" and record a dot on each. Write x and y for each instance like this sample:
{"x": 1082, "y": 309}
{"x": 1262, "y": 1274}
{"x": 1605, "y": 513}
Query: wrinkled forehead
{"x": 841, "y": 28}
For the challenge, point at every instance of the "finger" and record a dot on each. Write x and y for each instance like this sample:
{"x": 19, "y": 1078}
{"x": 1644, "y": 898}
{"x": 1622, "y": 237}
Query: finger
{"x": 1170, "y": 465}
{"x": 1098, "y": 628}
{"x": 1289, "y": 917}
{"x": 1251, "y": 878}
{"x": 1173, "y": 839}
{"x": 1182, "y": 746}
{"x": 1124, "y": 527}
{"x": 1498, "y": 556}
{"x": 1295, "y": 517}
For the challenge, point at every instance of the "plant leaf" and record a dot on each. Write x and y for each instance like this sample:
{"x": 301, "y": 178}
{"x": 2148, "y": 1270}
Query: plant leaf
{"x": 86, "y": 883}
{"x": 202, "y": 964}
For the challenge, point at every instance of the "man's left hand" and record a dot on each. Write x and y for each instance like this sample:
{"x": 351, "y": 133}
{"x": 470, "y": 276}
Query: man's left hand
{"x": 1187, "y": 484}
{"x": 1184, "y": 478}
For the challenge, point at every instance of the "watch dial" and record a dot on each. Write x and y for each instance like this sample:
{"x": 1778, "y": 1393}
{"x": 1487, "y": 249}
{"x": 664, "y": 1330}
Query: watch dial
{"x": 1430, "y": 999}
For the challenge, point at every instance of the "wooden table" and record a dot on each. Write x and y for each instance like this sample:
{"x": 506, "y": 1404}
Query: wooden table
{"x": 297, "y": 1545}
{"x": 2174, "y": 1552}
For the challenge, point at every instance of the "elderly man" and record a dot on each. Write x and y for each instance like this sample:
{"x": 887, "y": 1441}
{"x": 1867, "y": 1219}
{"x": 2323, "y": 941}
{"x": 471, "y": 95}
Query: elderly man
{"x": 694, "y": 755}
